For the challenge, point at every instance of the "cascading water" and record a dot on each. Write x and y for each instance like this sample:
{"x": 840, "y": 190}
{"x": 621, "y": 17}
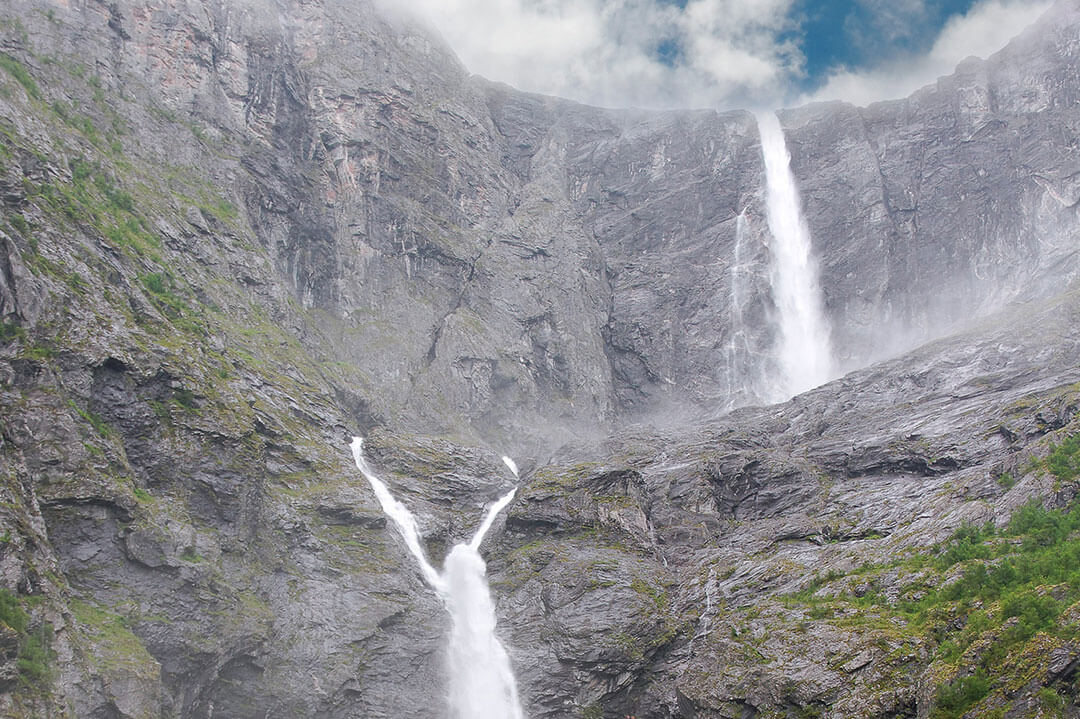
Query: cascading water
{"x": 482, "y": 684}
{"x": 805, "y": 350}
{"x": 741, "y": 382}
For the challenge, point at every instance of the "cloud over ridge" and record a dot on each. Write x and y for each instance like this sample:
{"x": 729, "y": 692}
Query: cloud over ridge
{"x": 703, "y": 53}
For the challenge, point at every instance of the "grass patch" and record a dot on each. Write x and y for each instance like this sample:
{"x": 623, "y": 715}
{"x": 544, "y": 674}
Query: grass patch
{"x": 95, "y": 421}
{"x": 116, "y": 648}
{"x": 165, "y": 293}
{"x": 19, "y": 223}
{"x": 18, "y": 71}
{"x": 35, "y": 657}
{"x": 93, "y": 198}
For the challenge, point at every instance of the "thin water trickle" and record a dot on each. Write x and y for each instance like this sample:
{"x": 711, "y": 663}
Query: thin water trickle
{"x": 741, "y": 374}
{"x": 805, "y": 349}
{"x": 482, "y": 684}
{"x": 401, "y": 516}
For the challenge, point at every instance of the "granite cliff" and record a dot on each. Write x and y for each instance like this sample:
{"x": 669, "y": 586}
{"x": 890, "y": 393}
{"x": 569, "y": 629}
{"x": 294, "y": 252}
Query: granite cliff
{"x": 235, "y": 234}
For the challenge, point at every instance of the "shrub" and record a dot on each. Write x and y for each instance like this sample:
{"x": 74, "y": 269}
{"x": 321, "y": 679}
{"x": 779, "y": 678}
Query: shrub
{"x": 35, "y": 656}
{"x": 1064, "y": 459}
{"x": 956, "y": 697}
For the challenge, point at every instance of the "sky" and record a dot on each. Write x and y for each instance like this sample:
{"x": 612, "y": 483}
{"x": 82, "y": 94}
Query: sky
{"x": 722, "y": 53}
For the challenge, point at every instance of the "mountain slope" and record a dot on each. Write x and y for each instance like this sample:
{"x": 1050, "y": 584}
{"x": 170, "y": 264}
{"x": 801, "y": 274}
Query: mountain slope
{"x": 232, "y": 238}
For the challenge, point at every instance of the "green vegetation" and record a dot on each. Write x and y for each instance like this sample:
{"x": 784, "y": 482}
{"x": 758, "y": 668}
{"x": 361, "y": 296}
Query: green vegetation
{"x": 21, "y": 75}
{"x": 10, "y": 331}
{"x": 1015, "y": 585}
{"x": 95, "y": 421}
{"x": 1064, "y": 459}
{"x": 656, "y": 597}
{"x": 38, "y": 353}
{"x": 592, "y": 711}
{"x": 1016, "y": 591}
{"x": 167, "y": 294}
{"x": 20, "y": 224}
{"x": 93, "y": 198}
{"x": 116, "y": 648}
{"x": 35, "y": 655}
{"x": 71, "y": 117}
{"x": 956, "y": 697}
{"x": 1051, "y": 700}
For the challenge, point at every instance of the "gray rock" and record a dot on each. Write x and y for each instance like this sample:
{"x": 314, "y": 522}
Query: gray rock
{"x": 249, "y": 235}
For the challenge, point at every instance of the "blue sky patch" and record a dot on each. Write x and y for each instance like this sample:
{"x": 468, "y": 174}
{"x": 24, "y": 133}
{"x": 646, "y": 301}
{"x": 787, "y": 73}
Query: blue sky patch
{"x": 866, "y": 33}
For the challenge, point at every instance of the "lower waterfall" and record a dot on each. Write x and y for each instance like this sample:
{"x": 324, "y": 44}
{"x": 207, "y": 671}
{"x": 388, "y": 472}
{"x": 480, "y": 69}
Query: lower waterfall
{"x": 482, "y": 684}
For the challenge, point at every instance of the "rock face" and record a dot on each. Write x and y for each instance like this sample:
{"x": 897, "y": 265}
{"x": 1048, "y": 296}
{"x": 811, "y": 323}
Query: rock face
{"x": 235, "y": 235}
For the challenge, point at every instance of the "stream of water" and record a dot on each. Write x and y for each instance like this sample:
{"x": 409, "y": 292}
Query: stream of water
{"x": 804, "y": 348}
{"x": 482, "y": 684}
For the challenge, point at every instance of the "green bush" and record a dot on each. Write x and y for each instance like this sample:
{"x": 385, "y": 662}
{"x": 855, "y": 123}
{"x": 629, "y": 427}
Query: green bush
{"x": 1041, "y": 527}
{"x": 156, "y": 282}
{"x": 1051, "y": 700}
{"x": 1064, "y": 459}
{"x": 19, "y": 223}
{"x": 968, "y": 542}
{"x": 11, "y": 611}
{"x": 35, "y": 654}
{"x": 956, "y": 697}
{"x": 10, "y": 331}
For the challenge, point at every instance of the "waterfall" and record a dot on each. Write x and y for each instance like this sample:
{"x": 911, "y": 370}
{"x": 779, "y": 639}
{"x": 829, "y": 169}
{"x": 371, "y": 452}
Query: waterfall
{"x": 804, "y": 348}
{"x": 739, "y": 365}
{"x": 402, "y": 517}
{"x": 482, "y": 684}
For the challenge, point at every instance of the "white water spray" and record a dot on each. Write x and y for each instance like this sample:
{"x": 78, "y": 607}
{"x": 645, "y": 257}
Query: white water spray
{"x": 482, "y": 684}
{"x": 740, "y": 384}
{"x": 510, "y": 464}
{"x": 805, "y": 350}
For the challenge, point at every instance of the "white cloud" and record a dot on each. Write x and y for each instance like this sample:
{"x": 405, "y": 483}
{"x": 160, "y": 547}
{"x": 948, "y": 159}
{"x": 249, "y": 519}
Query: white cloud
{"x": 605, "y": 51}
{"x": 986, "y": 28}
{"x": 729, "y": 53}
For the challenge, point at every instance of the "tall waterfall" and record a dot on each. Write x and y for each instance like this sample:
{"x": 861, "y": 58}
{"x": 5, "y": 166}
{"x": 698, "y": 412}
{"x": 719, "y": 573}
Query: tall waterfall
{"x": 482, "y": 684}
{"x": 804, "y": 349}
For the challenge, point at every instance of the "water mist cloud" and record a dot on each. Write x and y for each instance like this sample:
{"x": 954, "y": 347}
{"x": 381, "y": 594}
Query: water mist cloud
{"x": 704, "y": 53}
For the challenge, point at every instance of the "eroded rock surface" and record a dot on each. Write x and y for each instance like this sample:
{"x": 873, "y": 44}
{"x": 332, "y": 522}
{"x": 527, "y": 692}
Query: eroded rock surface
{"x": 234, "y": 238}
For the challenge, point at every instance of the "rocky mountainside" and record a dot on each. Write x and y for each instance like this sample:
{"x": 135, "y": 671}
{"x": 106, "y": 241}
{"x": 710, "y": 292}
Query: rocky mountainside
{"x": 235, "y": 234}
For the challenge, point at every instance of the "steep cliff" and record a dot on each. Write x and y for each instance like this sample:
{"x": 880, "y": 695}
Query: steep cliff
{"x": 234, "y": 234}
